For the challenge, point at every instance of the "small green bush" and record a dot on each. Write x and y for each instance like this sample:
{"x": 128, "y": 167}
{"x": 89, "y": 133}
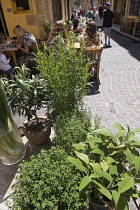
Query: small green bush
{"x": 71, "y": 128}
{"x": 48, "y": 182}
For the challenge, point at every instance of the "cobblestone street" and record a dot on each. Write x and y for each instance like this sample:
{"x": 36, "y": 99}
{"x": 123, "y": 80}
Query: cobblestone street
{"x": 117, "y": 101}
{"x": 119, "y": 97}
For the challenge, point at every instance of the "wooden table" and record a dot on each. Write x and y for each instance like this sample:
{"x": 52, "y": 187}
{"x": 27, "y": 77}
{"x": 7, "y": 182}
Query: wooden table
{"x": 10, "y": 52}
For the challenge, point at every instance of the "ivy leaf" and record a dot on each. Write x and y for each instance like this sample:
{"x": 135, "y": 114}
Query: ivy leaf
{"x": 126, "y": 183}
{"x": 104, "y": 131}
{"x": 84, "y": 182}
{"x": 82, "y": 157}
{"x": 103, "y": 190}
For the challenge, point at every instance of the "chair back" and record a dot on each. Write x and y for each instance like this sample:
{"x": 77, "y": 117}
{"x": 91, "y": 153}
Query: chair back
{"x": 95, "y": 58}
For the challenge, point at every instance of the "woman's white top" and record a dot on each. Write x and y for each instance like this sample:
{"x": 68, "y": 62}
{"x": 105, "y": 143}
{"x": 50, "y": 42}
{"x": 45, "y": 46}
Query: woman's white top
{"x": 4, "y": 63}
{"x": 99, "y": 21}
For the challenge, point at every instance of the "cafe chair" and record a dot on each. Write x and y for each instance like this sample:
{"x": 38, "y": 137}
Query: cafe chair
{"x": 94, "y": 54}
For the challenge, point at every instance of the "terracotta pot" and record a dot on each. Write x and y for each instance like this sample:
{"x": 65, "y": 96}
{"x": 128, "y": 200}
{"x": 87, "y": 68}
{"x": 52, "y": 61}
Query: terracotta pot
{"x": 38, "y": 137}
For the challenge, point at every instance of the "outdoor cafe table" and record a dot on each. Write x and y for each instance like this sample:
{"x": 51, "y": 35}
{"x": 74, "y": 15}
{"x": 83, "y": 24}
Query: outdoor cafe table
{"x": 11, "y": 52}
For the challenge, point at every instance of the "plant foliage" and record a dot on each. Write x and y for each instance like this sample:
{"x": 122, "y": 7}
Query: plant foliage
{"x": 49, "y": 181}
{"x": 110, "y": 164}
{"x": 67, "y": 74}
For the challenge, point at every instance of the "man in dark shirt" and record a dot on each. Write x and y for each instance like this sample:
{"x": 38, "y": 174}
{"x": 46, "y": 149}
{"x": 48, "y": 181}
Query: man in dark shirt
{"x": 108, "y": 17}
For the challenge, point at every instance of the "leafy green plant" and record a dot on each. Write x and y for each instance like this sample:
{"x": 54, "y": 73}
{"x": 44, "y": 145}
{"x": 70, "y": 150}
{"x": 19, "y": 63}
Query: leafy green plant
{"x": 10, "y": 142}
{"x": 28, "y": 95}
{"x": 71, "y": 128}
{"x": 49, "y": 181}
{"x": 110, "y": 163}
{"x": 67, "y": 74}
{"x": 47, "y": 28}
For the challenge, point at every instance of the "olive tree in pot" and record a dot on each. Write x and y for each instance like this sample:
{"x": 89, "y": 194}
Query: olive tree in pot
{"x": 30, "y": 95}
{"x": 111, "y": 166}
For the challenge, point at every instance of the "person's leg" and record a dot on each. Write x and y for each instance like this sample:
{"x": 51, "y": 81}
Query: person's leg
{"x": 105, "y": 38}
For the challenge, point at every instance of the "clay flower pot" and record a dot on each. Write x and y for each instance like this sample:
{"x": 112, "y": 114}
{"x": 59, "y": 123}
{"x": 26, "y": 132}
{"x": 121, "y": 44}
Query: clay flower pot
{"x": 37, "y": 133}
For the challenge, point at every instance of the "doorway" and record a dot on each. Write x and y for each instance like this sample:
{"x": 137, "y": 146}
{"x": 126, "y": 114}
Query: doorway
{"x": 3, "y": 28}
{"x": 57, "y": 10}
{"x": 123, "y": 8}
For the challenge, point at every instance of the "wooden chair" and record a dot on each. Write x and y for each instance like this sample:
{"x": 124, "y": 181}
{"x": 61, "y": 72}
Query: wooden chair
{"x": 95, "y": 58}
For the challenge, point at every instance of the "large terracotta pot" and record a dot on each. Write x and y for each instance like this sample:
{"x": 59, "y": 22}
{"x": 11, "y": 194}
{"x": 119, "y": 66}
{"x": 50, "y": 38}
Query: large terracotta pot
{"x": 41, "y": 136}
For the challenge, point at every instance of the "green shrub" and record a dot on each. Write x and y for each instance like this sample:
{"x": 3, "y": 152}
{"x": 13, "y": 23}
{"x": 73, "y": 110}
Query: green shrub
{"x": 66, "y": 72}
{"x": 48, "y": 182}
{"x": 71, "y": 128}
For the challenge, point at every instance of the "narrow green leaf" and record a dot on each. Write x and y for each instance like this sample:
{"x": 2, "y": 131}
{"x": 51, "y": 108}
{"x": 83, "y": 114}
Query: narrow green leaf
{"x": 94, "y": 140}
{"x": 84, "y": 182}
{"x": 103, "y": 190}
{"x": 105, "y": 175}
{"x": 113, "y": 169}
{"x": 77, "y": 163}
{"x": 97, "y": 151}
{"x": 136, "y": 130}
{"x": 120, "y": 200}
{"x": 118, "y": 126}
{"x": 130, "y": 156}
{"x": 96, "y": 167}
{"x": 104, "y": 131}
{"x": 137, "y": 163}
{"x": 82, "y": 157}
{"x": 120, "y": 134}
{"x": 136, "y": 143}
{"x": 126, "y": 183}
{"x": 79, "y": 147}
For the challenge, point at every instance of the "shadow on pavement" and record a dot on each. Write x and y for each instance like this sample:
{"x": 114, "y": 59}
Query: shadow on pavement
{"x": 132, "y": 46}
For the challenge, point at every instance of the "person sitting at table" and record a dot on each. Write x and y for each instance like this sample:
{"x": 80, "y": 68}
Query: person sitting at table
{"x": 5, "y": 68}
{"x": 76, "y": 28}
{"x": 59, "y": 28}
{"x": 26, "y": 40}
{"x": 90, "y": 36}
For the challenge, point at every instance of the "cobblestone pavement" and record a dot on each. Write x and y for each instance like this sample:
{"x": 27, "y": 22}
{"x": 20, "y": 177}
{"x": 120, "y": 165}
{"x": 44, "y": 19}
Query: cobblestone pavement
{"x": 118, "y": 100}
{"x": 119, "y": 97}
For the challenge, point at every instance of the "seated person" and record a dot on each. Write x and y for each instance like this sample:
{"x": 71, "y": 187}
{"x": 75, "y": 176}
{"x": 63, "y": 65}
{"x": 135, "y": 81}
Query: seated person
{"x": 76, "y": 28}
{"x": 26, "y": 40}
{"x": 59, "y": 28}
{"x": 5, "y": 68}
{"x": 90, "y": 36}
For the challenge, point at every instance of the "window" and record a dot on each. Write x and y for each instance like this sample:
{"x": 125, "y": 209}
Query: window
{"x": 134, "y": 7}
{"x": 21, "y": 6}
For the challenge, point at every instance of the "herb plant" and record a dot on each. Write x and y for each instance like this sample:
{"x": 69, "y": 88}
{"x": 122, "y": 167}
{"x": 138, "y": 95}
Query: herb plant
{"x": 49, "y": 181}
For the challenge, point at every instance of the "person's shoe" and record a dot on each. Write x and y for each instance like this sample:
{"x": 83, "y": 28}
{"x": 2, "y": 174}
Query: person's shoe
{"x": 105, "y": 44}
{"x": 108, "y": 42}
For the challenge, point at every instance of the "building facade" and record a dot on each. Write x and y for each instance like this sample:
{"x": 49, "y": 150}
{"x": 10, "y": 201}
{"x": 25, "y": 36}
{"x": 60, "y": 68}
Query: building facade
{"x": 31, "y": 14}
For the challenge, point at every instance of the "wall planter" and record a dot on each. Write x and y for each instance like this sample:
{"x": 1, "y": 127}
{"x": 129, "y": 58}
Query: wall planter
{"x": 12, "y": 149}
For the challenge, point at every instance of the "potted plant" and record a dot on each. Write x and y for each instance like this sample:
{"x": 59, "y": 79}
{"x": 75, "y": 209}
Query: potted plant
{"x": 67, "y": 74}
{"x": 110, "y": 165}
{"x": 48, "y": 182}
{"x": 47, "y": 28}
{"x": 12, "y": 149}
{"x": 30, "y": 95}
